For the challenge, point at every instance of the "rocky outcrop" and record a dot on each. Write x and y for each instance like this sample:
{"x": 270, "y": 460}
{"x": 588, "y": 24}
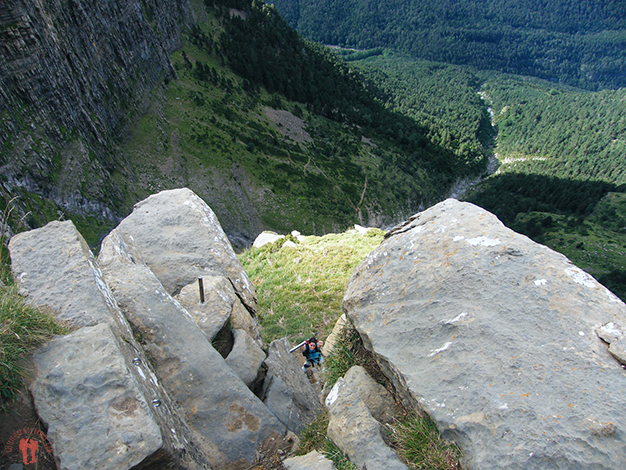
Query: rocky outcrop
{"x": 287, "y": 391}
{"x": 95, "y": 388}
{"x": 495, "y": 337}
{"x": 216, "y": 403}
{"x": 356, "y": 432}
{"x": 136, "y": 346}
{"x": 180, "y": 239}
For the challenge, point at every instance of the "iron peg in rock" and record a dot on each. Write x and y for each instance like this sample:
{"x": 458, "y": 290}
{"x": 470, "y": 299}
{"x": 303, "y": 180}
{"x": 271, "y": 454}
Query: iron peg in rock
{"x": 201, "y": 289}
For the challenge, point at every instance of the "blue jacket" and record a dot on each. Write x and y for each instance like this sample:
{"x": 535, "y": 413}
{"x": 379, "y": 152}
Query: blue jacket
{"x": 312, "y": 355}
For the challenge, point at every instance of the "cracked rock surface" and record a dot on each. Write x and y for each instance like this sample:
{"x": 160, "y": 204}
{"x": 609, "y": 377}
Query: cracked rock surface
{"x": 495, "y": 336}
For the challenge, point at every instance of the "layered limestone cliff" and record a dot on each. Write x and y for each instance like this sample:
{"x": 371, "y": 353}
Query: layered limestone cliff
{"x": 71, "y": 73}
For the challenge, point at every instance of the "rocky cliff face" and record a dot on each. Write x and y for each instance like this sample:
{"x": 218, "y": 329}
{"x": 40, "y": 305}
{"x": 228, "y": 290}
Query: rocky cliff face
{"x": 71, "y": 73}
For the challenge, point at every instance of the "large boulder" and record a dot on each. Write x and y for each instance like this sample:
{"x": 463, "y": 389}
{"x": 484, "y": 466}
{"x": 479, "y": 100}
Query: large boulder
{"x": 221, "y": 305}
{"x": 495, "y": 337}
{"x": 378, "y": 400}
{"x": 95, "y": 375}
{"x": 180, "y": 239}
{"x": 53, "y": 266}
{"x": 356, "y": 432}
{"x": 96, "y": 413}
{"x": 217, "y": 404}
{"x": 287, "y": 391}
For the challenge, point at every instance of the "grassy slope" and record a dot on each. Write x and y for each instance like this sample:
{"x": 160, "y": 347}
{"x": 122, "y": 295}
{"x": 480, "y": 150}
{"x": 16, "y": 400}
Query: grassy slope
{"x": 300, "y": 289}
{"x": 22, "y": 329}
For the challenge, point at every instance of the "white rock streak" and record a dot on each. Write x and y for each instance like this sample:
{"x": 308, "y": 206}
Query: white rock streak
{"x": 581, "y": 277}
{"x": 441, "y": 349}
{"x": 483, "y": 241}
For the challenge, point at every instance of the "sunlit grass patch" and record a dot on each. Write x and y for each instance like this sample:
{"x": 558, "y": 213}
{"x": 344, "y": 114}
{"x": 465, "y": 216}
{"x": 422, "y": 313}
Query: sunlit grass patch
{"x": 300, "y": 289}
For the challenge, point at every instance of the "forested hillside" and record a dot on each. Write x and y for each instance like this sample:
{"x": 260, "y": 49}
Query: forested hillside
{"x": 273, "y": 131}
{"x": 560, "y": 151}
{"x": 562, "y": 175}
{"x": 573, "y": 42}
{"x": 440, "y": 97}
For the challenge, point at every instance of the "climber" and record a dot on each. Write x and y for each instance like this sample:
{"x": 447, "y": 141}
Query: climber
{"x": 311, "y": 350}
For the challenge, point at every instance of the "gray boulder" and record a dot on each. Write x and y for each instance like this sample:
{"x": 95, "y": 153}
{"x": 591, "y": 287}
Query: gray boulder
{"x": 287, "y": 391}
{"x": 220, "y": 306}
{"x": 246, "y": 358}
{"x": 378, "y": 400}
{"x": 53, "y": 266}
{"x": 311, "y": 461}
{"x": 96, "y": 413}
{"x": 180, "y": 238}
{"x": 355, "y": 431}
{"x": 217, "y": 404}
{"x": 495, "y": 337}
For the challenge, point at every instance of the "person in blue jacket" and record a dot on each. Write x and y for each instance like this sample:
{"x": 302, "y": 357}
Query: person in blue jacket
{"x": 311, "y": 351}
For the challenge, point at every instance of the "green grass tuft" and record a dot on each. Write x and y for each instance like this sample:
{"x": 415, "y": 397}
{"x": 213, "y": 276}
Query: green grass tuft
{"x": 344, "y": 355}
{"x": 313, "y": 437}
{"x": 22, "y": 328}
{"x": 419, "y": 443}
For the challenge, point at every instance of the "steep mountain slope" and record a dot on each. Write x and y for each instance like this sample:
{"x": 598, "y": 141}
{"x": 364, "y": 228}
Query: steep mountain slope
{"x": 577, "y": 43}
{"x": 104, "y": 104}
{"x": 70, "y": 75}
